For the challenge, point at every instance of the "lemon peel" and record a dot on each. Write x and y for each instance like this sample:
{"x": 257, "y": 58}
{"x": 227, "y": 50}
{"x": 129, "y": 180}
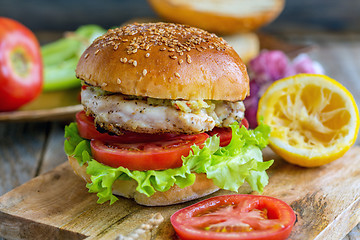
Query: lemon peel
{"x": 313, "y": 118}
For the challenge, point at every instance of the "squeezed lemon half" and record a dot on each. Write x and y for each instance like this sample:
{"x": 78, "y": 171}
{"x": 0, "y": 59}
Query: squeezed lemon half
{"x": 313, "y": 118}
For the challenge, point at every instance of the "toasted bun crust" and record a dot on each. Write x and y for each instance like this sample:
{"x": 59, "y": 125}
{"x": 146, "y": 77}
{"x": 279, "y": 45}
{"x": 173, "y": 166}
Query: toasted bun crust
{"x": 222, "y": 17}
{"x": 246, "y": 44}
{"x": 202, "y": 187}
{"x": 167, "y": 61}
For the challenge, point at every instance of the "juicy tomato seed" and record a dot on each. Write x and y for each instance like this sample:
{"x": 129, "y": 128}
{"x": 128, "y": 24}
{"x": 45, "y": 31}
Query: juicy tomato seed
{"x": 240, "y": 217}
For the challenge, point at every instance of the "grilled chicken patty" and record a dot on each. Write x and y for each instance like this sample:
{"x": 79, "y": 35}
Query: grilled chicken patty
{"x": 117, "y": 112}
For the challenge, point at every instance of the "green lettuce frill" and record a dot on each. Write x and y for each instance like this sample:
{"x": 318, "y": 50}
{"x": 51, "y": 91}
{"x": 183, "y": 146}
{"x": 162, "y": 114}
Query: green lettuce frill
{"x": 227, "y": 166}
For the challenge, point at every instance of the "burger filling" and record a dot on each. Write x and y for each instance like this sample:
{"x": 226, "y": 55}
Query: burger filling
{"x": 116, "y": 112}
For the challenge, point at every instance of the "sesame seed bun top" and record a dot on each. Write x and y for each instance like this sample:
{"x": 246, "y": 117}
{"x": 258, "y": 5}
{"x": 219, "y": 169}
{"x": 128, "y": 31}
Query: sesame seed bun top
{"x": 164, "y": 60}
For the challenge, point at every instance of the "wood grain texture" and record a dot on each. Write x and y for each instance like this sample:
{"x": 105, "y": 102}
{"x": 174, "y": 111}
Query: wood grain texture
{"x": 325, "y": 199}
{"x": 315, "y": 193}
{"x": 54, "y": 154}
{"x": 21, "y": 150}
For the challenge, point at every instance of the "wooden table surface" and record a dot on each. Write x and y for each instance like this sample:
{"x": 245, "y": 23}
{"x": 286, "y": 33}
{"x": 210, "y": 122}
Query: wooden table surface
{"x": 28, "y": 149}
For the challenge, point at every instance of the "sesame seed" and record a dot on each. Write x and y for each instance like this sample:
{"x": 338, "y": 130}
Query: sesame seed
{"x": 173, "y": 57}
{"x": 97, "y": 51}
{"x": 104, "y": 84}
{"x": 135, "y": 63}
{"x": 144, "y": 72}
{"x": 130, "y": 61}
{"x": 169, "y": 37}
{"x": 177, "y": 75}
{"x": 86, "y": 55}
{"x": 147, "y": 55}
{"x": 118, "y": 81}
{"x": 180, "y": 61}
{"x": 188, "y": 58}
{"x": 125, "y": 60}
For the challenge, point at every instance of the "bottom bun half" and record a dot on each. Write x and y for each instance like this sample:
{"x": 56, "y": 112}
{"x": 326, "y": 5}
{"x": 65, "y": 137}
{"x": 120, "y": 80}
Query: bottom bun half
{"x": 201, "y": 187}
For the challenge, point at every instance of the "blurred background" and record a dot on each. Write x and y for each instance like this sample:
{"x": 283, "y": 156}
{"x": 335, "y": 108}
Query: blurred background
{"x": 61, "y": 15}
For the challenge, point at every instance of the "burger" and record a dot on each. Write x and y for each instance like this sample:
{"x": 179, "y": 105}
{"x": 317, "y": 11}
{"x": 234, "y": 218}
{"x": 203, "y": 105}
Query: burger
{"x": 163, "y": 119}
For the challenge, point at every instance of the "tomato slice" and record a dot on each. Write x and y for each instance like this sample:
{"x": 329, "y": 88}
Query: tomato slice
{"x": 157, "y": 155}
{"x": 250, "y": 217}
{"x": 139, "y": 151}
{"x": 225, "y": 134}
{"x": 88, "y": 130}
{"x": 245, "y": 122}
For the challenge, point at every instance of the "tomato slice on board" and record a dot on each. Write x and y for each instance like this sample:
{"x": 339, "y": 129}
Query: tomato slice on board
{"x": 225, "y": 134}
{"x": 250, "y": 217}
{"x": 88, "y": 130}
{"x": 144, "y": 156}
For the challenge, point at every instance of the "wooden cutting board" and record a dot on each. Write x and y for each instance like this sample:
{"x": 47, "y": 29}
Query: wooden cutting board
{"x": 56, "y": 205}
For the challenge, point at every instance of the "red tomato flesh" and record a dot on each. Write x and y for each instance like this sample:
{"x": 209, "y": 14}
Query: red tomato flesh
{"x": 250, "y": 217}
{"x": 88, "y": 130}
{"x": 158, "y": 155}
{"x": 21, "y": 71}
{"x": 225, "y": 134}
{"x": 139, "y": 151}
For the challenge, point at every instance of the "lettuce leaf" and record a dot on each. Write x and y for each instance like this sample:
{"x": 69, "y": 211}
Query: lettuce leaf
{"x": 103, "y": 177}
{"x": 229, "y": 166}
{"x": 235, "y": 163}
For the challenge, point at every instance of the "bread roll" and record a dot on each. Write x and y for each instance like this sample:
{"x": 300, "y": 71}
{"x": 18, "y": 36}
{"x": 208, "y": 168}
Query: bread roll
{"x": 220, "y": 16}
{"x": 167, "y": 61}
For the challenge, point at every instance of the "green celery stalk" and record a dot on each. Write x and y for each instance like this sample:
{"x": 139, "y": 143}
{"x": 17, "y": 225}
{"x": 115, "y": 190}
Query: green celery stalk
{"x": 61, "y": 76}
{"x": 62, "y": 50}
{"x": 60, "y": 57}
